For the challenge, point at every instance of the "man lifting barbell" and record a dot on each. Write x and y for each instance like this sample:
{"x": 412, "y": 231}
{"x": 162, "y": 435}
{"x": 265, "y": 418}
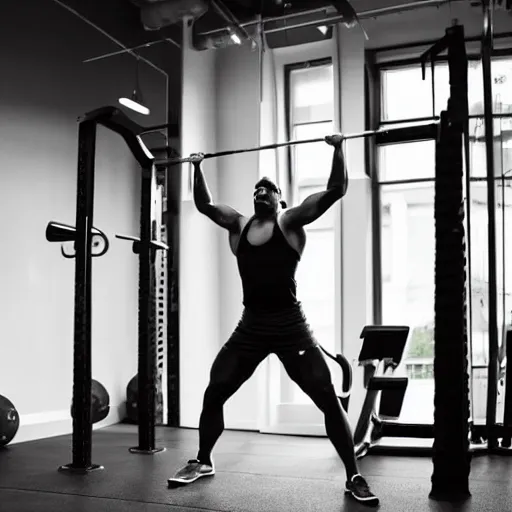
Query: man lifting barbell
{"x": 268, "y": 247}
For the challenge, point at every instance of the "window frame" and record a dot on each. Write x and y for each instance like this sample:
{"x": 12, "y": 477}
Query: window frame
{"x": 377, "y": 60}
{"x": 288, "y": 70}
{"x": 295, "y": 185}
{"x": 399, "y": 136}
{"x": 374, "y": 105}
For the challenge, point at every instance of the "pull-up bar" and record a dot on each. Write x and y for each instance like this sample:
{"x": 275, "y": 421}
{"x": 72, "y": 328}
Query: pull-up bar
{"x": 367, "y": 133}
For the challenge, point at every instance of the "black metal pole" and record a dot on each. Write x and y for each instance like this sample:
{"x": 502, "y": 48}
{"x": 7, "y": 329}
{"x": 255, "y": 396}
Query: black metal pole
{"x": 146, "y": 398}
{"x": 451, "y": 457}
{"x": 373, "y": 115}
{"x": 428, "y": 128}
{"x": 82, "y": 367}
{"x": 492, "y": 375}
{"x": 172, "y": 219}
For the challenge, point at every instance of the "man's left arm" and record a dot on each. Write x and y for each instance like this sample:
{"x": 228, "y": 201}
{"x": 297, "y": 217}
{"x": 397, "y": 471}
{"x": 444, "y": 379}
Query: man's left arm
{"x": 315, "y": 205}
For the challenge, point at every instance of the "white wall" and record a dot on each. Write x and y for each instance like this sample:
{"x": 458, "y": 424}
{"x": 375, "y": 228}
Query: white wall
{"x": 44, "y": 88}
{"x": 238, "y": 113}
{"x": 199, "y": 238}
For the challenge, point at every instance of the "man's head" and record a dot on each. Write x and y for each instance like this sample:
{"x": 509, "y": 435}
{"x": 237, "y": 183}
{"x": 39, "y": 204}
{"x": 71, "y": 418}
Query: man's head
{"x": 267, "y": 198}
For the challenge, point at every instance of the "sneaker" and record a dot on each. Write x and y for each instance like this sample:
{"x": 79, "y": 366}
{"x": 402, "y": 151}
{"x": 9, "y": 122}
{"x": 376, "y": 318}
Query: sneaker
{"x": 360, "y": 491}
{"x": 191, "y": 472}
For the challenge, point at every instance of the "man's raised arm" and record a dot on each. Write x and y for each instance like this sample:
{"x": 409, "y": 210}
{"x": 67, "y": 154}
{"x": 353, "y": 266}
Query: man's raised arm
{"x": 315, "y": 205}
{"x": 223, "y": 215}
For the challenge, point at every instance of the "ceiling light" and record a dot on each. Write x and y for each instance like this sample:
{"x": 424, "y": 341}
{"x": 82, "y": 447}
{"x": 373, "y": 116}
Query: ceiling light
{"x": 135, "y": 102}
{"x": 323, "y": 29}
{"x": 234, "y": 36}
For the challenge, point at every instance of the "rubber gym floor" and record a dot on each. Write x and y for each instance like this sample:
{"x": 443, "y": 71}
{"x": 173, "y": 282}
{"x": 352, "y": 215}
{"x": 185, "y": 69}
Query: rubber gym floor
{"x": 255, "y": 473}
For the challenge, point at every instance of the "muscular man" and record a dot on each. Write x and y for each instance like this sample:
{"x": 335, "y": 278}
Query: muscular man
{"x": 268, "y": 247}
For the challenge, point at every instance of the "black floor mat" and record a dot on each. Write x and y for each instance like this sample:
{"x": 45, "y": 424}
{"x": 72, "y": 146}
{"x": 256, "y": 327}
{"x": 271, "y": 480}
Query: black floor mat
{"x": 255, "y": 473}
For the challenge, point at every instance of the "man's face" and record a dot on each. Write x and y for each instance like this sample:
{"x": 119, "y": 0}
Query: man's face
{"x": 266, "y": 199}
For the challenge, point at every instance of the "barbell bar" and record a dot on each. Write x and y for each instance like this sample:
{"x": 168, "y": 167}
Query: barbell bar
{"x": 367, "y": 133}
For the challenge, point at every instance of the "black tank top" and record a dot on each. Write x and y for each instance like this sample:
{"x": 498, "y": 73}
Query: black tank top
{"x": 267, "y": 271}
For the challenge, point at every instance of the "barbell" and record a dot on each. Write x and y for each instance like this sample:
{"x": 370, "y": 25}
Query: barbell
{"x": 367, "y": 133}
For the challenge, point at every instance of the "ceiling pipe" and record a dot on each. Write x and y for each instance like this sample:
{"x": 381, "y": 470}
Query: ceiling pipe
{"x": 231, "y": 19}
{"x": 221, "y": 40}
{"x": 251, "y": 23}
{"x": 333, "y": 20}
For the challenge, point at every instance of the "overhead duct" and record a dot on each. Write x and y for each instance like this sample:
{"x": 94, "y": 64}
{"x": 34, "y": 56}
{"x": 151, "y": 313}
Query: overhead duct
{"x": 302, "y": 26}
{"x": 209, "y": 33}
{"x": 156, "y": 14}
{"x": 220, "y": 40}
{"x": 281, "y": 33}
{"x": 235, "y": 34}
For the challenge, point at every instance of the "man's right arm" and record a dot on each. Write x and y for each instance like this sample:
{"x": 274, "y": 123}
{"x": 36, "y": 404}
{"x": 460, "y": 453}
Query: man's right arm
{"x": 223, "y": 215}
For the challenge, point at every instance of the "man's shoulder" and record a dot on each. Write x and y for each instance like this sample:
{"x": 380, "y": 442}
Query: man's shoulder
{"x": 283, "y": 220}
{"x": 243, "y": 221}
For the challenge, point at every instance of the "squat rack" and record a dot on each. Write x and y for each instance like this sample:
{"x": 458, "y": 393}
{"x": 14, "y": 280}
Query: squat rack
{"x": 115, "y": 120}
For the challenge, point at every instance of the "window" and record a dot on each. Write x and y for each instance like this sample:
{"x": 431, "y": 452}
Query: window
{"x": 420, "y": 370}
{"x": 311, "y": 106}
{"x": 480, "y": 265}
{"x": 408, "y": 293}
{"x": 407, "y": 228}
{"x": 311, "y": 161}
{"x": 415, "y": 97}
{"x": 406, "y": 161}
{"x": 480, "y": 285}
{"x": 408, "y": 244}
{"x": 311, "y": 87}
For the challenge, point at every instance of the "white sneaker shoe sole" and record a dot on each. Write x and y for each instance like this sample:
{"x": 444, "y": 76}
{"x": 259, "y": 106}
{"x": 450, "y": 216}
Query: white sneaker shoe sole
{"x": 174, "y": 480}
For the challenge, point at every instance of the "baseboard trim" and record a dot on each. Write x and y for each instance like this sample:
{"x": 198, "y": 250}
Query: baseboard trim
{"x": 59, "y": 423}
{"x": 241, "y": 425}
{"x": 295, "y": 429}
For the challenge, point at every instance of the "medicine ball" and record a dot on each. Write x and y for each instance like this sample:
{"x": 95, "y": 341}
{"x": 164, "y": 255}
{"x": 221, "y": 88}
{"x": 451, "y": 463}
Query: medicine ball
{"x": 9, "y": 421}
{"x": 100, "y": 402}
{"x": 132, "y": 391}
